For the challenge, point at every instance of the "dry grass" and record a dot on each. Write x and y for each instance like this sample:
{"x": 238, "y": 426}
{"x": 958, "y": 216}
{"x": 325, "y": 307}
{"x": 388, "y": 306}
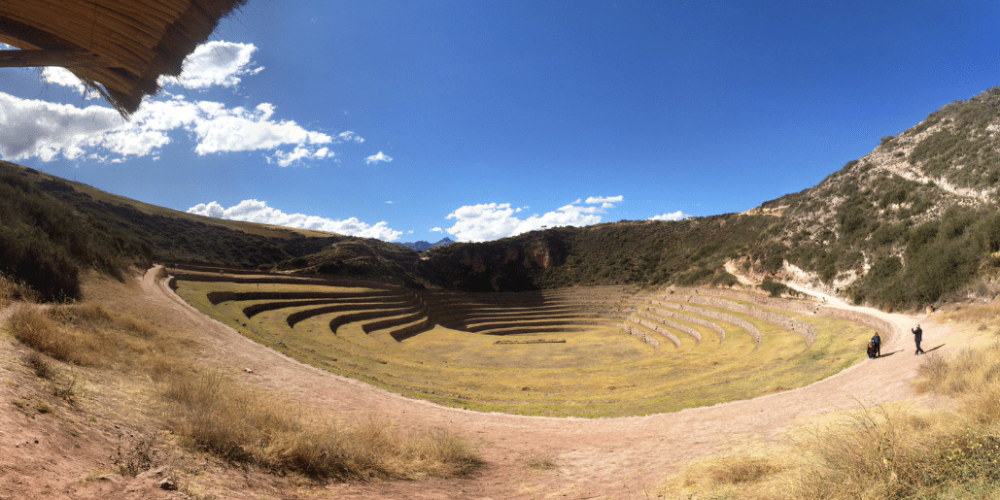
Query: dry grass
{"x": 39, "y": 365}
{"x": 877, "y": 453}
{"x": 12, "y": 290}
{"x": 245, "y": 426}
{"x": 89, "y": 335}
{"x": 882, "y": 452}
{"x": 740, "y": 470}
{"x": 224, "y": 417}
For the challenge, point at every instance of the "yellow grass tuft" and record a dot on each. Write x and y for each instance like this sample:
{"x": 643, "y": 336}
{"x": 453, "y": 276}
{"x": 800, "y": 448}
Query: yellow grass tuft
{"x": 245, "y": 426}
{"x": 739, "y": 470}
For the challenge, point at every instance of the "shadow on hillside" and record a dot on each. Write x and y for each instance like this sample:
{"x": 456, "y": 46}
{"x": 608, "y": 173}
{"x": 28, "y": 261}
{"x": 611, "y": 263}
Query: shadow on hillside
{"x": 888, "y": 354}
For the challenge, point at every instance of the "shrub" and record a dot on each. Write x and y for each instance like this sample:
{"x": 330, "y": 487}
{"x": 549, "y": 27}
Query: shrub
{"x": 896, "y": 195}
{"x": 774, "y": 288}
{"x": 34, "y": 329}
{"x": 724, "y": 279}
{"x": 27, "y": 254}
{"x": 986, "y": 233}
{"x": 828, "y": 267}
{"x": 938, "y": 268}
{"x": 38, "y": 365}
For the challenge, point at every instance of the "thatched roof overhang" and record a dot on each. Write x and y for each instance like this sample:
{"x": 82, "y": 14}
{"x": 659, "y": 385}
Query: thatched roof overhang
{"x": 118, "y": 47}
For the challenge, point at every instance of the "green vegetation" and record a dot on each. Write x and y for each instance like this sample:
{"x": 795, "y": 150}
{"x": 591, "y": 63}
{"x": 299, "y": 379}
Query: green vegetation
{"x": 593, "y": 369}
{"x": 44, "y": 244}
{"x": 964, "y": 150}
{"x": 651, "y": 253}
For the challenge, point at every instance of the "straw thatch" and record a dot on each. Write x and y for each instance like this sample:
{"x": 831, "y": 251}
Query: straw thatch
{"x": 118, "y": 47}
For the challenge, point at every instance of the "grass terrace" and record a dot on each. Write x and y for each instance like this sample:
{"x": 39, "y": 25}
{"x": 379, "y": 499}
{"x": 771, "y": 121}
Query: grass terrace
{"x": 586, "y": 352}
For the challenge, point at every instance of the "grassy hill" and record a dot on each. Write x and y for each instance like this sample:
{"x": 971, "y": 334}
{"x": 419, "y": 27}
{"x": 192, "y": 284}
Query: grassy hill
{"x": 914, "y": 222}
{"x": 50, "y": 229}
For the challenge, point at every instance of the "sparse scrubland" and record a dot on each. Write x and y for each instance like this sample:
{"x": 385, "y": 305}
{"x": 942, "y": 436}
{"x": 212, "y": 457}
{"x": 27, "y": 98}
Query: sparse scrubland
{"x": 891, "y": 451}
{"x": 212, "y": 412}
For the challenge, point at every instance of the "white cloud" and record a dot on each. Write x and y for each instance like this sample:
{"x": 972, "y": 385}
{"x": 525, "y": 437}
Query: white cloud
{"x": 389, "y": 202}
{"x": 349, "y": 136}
{"x": 224, "y": 130}
{"x": 593, "y": 200}
{"x": 300, "y": 152}
{"x": 215, "y": 63}
{"x": 377, "y": 158}
{"x": 409, "y": 232}
{"x": 258, "y": 211}
{"x": 437, "y": 230}
{"x": 678, "y": 215}
{"x": 44, "y": 130}
{"x": 492, "y": 221}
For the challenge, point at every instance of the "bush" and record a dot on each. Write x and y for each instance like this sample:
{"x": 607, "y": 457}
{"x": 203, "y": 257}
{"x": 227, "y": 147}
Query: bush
{"x": 28, "y": 255}
{"x": 895, "y": 196}
{"x": 987, "y": 233}
{"x": 34, "y": 329}
{"x": 941, "y": 267}
{"x": 828, "y": 267}
{"x": 774, "y": 288}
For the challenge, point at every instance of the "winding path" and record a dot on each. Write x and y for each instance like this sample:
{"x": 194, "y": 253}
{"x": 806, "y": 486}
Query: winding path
{"x": 596, "y": 458}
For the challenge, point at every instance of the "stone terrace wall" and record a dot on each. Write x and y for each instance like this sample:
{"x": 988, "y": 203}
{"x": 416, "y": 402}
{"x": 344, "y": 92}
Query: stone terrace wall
{"x": 670, "y": 324}
{"x": 762, "y": 300}
{"x": 721, "y": 332}
{"x": 284, "y": 280}
{"x": 743, "y": 324}
{"x": 390, "y": 301}
{"x": 658, "y": 328}
{"x": 219, "y": 297}
{"x": 635, "y": 332}
{"x": 805, "y": 330}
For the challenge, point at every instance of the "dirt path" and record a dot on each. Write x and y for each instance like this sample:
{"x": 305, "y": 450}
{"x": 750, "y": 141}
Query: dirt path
{"x": 595, "y": 458}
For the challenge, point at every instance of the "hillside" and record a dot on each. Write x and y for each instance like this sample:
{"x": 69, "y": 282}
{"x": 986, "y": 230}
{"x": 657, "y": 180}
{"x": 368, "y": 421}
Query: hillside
{"x": 912, "y": 223}
{"x": 51, "y": 229}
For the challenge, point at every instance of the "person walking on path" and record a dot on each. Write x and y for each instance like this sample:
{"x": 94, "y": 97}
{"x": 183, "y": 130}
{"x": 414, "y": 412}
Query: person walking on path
{"x": 918, "y": 335}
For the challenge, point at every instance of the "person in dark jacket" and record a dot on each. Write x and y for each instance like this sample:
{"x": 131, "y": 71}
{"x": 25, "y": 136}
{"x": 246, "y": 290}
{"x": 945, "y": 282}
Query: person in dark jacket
{"x": 877, "y": 340}
{"x": 918, "y": 335}
{"x": 872, "y": 350}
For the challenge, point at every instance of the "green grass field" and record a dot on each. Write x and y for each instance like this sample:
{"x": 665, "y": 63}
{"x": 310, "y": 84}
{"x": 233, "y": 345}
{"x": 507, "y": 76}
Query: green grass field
{"x": 600, "y": 371}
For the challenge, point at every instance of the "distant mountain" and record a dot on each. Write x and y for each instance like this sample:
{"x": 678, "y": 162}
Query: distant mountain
{"x": 423, "y": 246}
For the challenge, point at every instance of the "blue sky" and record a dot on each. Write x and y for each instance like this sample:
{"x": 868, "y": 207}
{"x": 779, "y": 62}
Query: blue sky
{"x": 478, "y": 120}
